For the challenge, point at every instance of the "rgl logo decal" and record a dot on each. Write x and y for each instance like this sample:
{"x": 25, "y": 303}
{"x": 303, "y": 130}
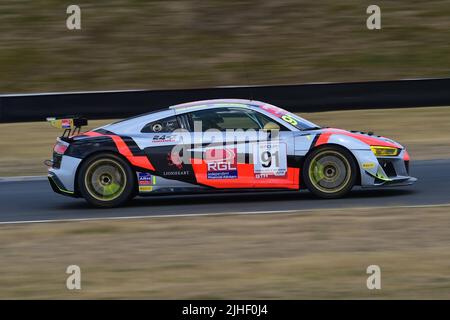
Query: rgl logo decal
{"x": 222, "y": 163}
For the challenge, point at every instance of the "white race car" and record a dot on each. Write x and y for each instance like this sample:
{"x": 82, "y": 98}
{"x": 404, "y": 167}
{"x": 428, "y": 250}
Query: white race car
{"x": 218, "y": 145}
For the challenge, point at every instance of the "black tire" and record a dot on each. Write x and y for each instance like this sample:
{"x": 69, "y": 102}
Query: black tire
{"x": 330, "y": 172}
{"x": 106, "y": 180}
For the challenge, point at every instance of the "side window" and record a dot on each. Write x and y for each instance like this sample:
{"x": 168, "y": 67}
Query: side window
{"x": 269, "y": 123}
{"x": 163, "y": 125}
{"x": 225, "y": 118}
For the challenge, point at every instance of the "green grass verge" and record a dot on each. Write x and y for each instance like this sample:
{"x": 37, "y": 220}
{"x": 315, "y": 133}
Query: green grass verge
{"x": 320, "y": 255}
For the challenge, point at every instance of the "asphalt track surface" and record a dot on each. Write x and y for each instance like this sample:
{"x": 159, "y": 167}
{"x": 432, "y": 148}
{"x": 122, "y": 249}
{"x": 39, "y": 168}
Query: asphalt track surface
{"x": 34, "y": 201}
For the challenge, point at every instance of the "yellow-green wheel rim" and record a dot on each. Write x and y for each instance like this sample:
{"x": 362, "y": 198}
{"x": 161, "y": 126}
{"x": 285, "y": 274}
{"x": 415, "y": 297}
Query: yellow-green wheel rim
{"x": 329, "y": 171}
{"x": 105, "y": 179}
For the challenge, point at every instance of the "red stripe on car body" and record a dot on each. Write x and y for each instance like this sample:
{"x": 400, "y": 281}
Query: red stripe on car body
{"x": 138, "y": 161}
{"x": 371, "y": 141}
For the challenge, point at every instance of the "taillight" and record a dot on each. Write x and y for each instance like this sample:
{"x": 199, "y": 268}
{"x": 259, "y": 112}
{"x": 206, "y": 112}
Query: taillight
{"x": 60, "y": 147}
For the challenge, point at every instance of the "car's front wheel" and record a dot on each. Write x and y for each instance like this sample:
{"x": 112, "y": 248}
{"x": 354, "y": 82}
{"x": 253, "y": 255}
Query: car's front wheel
{"x": 330, "y": 172}
{"x": 106, "y": 180}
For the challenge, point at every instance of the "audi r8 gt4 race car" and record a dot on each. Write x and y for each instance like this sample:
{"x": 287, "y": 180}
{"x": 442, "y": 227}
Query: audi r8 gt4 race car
{"x": 218, "y": 145}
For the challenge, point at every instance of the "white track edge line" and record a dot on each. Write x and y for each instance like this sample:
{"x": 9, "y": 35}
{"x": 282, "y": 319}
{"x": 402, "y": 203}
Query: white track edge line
{"x": 220, "y": 214}
{"x": 22, "y": 179}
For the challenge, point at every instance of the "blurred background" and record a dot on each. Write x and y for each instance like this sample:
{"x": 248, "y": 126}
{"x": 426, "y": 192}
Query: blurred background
{"x": 133, "y": 44}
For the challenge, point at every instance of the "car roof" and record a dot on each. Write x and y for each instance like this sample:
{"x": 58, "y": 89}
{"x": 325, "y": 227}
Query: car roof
{"x": 214, "y": 103}
{"x": 134, "y": 124}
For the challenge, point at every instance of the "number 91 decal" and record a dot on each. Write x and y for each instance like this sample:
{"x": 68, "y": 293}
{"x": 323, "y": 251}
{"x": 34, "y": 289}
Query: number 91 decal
{"x": 289, "y": 119}
{"x": 270, "y": 159}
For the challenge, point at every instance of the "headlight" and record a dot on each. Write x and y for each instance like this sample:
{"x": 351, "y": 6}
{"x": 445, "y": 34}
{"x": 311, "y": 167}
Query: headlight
{"x": 384, "y": 151}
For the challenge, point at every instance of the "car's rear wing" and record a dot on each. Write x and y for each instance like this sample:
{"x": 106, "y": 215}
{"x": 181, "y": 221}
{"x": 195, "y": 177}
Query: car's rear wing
{"x": 71, "y": 125}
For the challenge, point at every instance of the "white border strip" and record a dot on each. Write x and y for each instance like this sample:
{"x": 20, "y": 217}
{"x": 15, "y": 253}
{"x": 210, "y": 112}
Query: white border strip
{"x": 187, "y": 215}
{"x": 23, "y": 178}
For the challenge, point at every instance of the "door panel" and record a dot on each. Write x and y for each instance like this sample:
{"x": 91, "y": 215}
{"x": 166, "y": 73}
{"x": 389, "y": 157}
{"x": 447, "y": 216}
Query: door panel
{"x": 250, "y": 164}
{"x": 243, "y": 158}
{"x": 222, "y": 165}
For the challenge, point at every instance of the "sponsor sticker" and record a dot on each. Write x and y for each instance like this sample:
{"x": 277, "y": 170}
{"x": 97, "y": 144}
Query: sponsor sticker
{"x": 176, "y": 173}
{"x": 221, "y": 164}
{"x": 146, "y": 181}
{"x": 66, "y": 123}
{"x": 145, "y": 188}
{"x": 164, "y": 138}
{"x": 280, "y": 113}
{"x": 274, "y": 110}
{"x": 368, "y": 165}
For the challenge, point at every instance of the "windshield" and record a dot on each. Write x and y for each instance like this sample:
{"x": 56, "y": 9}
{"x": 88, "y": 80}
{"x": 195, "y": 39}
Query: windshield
{"x": 290, "y": 118}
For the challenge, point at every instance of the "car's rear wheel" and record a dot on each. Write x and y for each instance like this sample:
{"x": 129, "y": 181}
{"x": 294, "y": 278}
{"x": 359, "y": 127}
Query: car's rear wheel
{"x": 106, "y": 180}
{"x": 330, "y": 172}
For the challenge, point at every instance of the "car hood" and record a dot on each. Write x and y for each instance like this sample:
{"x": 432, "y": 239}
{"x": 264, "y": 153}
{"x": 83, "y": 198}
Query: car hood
{"x": 369, "y": 138}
